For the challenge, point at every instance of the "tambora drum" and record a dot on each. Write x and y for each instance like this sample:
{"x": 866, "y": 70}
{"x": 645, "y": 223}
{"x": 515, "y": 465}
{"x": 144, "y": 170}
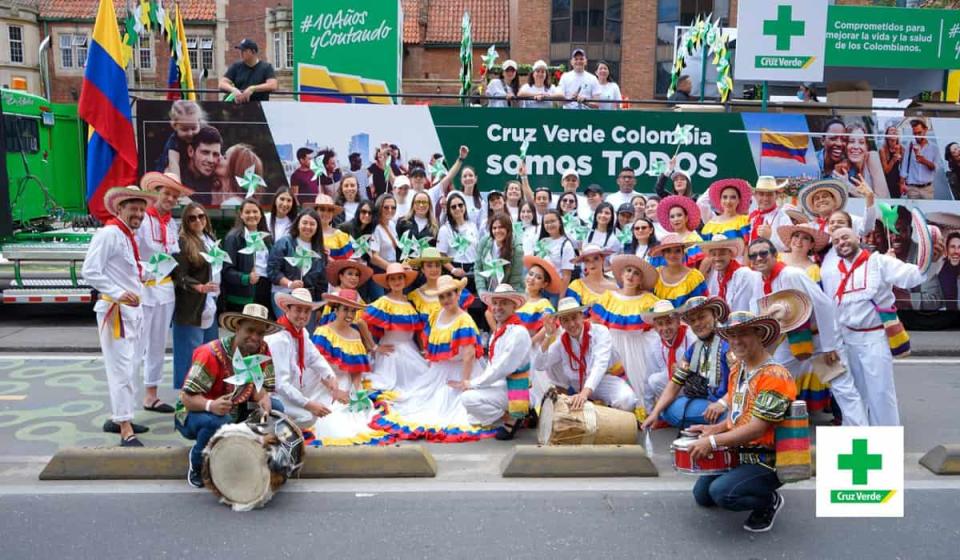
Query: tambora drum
{"x": 720, "y": 461}
{"x": 244, "y": 464}
{"x": 593, "y": 425}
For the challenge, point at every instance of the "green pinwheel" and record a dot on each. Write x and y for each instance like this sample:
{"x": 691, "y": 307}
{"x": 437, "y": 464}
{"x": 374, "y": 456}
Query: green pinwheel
{"x": 625, "y": 235}
{"x": 437, "y": 169}
{"x": 256, "y": 243}
{"x": 411, "y": 246}
{"x": 459, "y": 244}
{"x": 493, "y": 267}
{"x": 360, "y": 401}
{"x": 303, "y": 259}
{"x": 523, "y": 150}
{"x": 541, "y": 249}
{"x": 888, "y": 216}
{"x": 570, "y": 221}
{"x": 657, "y": 168}
{"x": 387, "y": 163}
{"x": 517, "y": 230}
{"x": 318, "y": 169}
{"x": 216, "y": 257}
{"x": 250, "y": 181}
{"x": 682, "y": 136}
{"x": 246, "y": 369}
{"x": 490, "y": 58}
{"x": 159, "y": 266}
{"x": 361, "y": 245}
{"x": 579, "y": 232}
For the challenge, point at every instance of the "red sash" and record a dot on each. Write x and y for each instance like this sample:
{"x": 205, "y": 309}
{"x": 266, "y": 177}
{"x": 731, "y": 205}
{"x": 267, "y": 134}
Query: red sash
{"x": 512, "y": 320}
{"x": 672, "y": 355}
{"x": 768, "y": 282}
{"x": 756, "y": 220}
{"x": 163, "y": 221}
{"x": 297, "y": 335}
{"x": 722, "y": 281}
{"x": 847, "y": 274}
{"x": 581, "y": 361}
{"x": 133, "y": 242}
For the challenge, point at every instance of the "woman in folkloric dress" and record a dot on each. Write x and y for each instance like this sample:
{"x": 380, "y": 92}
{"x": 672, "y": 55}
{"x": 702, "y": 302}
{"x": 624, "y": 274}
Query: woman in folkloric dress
{"x": 398, "y": 363}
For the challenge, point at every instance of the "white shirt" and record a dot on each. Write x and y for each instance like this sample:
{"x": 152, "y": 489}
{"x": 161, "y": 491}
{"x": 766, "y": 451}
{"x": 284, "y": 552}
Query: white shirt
{"x": 618, "y": 198}
{"x": 656, "y": 353}
{"x": 561, "y": 253}
{"x": 445, "y": 238}
{"x": 349, "y": 210}
{"x": 600, "y": 355}
{"x": 511, "y": 352}
{"x": 573, "y": 84}
{"x": 530, "y": 235}
{"x": 290, "y": 380}
{"x": 584, "y": 212}
{"x": 382, "y": 244}
{"x": 744, "y": 288}
{"x": 775, "y": 219}
{"x": 871, "y": 283}
{"x": 604, "y": 242}
{"x": 609, "y": 91}
{"x": 281, "y": 228}
{"x": 259, "y": 259}
{"x": 150, "y": 243}
{"x": 496, "y": 93}
{"x": 537, "y": 90}
{"x": 824, "y": 314}
{"x": 110, "y": 268}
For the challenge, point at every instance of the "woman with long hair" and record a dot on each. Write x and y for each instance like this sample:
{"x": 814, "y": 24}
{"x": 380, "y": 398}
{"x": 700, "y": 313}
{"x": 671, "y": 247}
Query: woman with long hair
{"x": 234, "y": 163}
{"x": 731, "y": 198}
{"x": 282, "y": 211}
{"x": 348, "y": 197}
{"x": 541, "y": 278}
{"x": 559, "y": 249}
{"x": 419, "y": 223}
{"x": 245, "y": 277}
{"x": 383, "y": 240}
{"x": 862, "y": 162}
{"x": 336, "y": 243}
{"x": 431, "y": 263}
{"x": 495, "y": 203}
{"x": 644, "y": 239}
{"x": 609, "y": 90}
{"x": 530, "y": 226}
{"x": 515, "y": 193}
{"x": 502, "y": 86}
{"x": 891, "y": 154}
{"x": 458, "y": 240}
{"x": 676, "y": 281}
{"x": 396, "y": 325}
{"x": 681, "y": 216}
{"x": 604, "y": 231}
{"x": 681, "y": 182}
{"x": 498, "y": 243}
{"x": 306, "y": 235}
{"x": 592, "y": 284}
{"x": 196, "y": 287}
{"x": 471, "y": 192}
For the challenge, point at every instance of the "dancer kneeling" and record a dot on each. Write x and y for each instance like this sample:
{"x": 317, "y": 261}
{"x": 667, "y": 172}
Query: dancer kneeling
{"x": 502, "y": 391}
{"x": 582, "y": 361}
{"x": 398, "y": 365}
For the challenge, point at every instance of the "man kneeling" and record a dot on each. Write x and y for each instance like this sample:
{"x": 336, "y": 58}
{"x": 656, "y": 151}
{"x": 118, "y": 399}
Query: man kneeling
{"x": 758, "y": 396}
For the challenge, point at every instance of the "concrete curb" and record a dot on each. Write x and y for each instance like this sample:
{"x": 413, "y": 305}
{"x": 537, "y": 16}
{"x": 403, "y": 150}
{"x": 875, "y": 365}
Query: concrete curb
{"x": 170, "y": 463}
{"x": 538, "y": 461}
{"x": 943, "y": 459}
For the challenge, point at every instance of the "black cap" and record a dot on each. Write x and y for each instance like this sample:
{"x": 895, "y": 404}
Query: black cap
{"x": 577, "y": 51}
{"x": 626, "y": 208}
{"x": 417, "y": 171}
{"x": 248, "y": 44}
{"x": 593, "y": 189}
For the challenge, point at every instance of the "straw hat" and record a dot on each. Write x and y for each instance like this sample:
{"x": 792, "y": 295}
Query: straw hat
{"x": 591, "y": 250}
{"x": 923, "y": 237}
{"x": 820, "y": 238}
{"x": 796, "y": 216}
{"x": 345, "y": 297}
{"x": 663, "y": 308}
{"x": 504, "y": 291}
{"x": 325, "y": 201}
{"x": 791, "y": 308}
{"x": 833, "y": 186}
{"x": 742, "y": 320}
{"x": 721, "y": 241}
{"x": 430, "y": 254}
{"x": 118, "y": 195}
{"x": 568, "y": 306}
{"x": 742, "y": 187}
{"x": 297, "y": 296}
{"x": 719, "y": 307}
{"x": 251, "y": 312}
{"x": 409, "y": 275}
{"x": 553, "y": 277}
{"x": 669, "y": 240}
{"x": 156, "y": 181}
{"x": 446, "y": 283}
{"x": 768, "y": 183}
{"x": 334, "y": 268}
{"x": 687, "y": 203}
{"x": 620, "y": 262}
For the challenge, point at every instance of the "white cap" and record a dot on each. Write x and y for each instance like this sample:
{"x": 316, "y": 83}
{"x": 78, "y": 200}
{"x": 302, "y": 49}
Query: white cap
{"x": 539, "y": 64}
{"x": 510, "y": 63}
{"x": 401, "y": 181}
{"x": 568, "y": 173}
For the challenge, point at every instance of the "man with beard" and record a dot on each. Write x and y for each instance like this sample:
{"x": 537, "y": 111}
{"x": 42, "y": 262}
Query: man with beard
{"x": 919, "y": 165}
{"x": 927, "y": 295}
{"x": 203, "y": 156}
{"x": 834, "y": 147}
{"x": 861, "y": 284}
{"x": 737, "y": 285}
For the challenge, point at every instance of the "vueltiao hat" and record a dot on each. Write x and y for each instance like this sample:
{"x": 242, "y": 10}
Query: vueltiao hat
{"x": 768, "y": 183}
{"x": 663, "y": 308}
{"x": 334, "y": 268}
{"x": 251, "y": 312}
{"x": 504, "y": 291}
{"x": 721, "y": 241}
{"x": 155, "y": 181}
{"x": 719, "y": 307}
{"x": 568, "y": 306}
{"x": 743, "y": 320}
{"x": 429, "y": 254}
{"x": 553, "y": 277}
{"x": 116, "y": 196}
{"x": 409, "y": 275}
{"x": 297, "y": 296}
{"x": 791, "y": 308}
{"x": 837, "y": 188}
{"x": 820, "y": 238}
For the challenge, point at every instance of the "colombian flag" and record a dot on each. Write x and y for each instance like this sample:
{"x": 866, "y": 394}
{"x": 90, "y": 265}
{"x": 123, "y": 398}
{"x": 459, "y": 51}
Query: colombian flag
{"x": 786, "y": 146}
{"x": 111, "y": 148}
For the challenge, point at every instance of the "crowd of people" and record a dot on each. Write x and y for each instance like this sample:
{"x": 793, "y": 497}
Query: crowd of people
{"x": 411, "y": 305}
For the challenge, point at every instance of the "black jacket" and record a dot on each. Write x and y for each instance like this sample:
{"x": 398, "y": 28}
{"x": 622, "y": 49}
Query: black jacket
{"x": 236, "y": 274}
{"x": 277, "y": 267}
{"x": 189, "y": 305}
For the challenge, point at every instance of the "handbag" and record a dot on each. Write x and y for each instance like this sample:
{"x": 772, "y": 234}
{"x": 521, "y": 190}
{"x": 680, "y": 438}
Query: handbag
{"x": 897, "y": 336}
{"x": 695, "y": 386}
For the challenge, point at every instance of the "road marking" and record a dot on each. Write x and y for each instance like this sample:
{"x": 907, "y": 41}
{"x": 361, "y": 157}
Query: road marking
{"x": 927, "y": 361}
{"x": 12, "y": 397}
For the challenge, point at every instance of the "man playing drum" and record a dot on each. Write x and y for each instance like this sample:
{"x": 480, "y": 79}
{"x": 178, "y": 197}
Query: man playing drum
{"x": 758, "y": 397}
{"x": 502, "y": 391}
{"x": 207, "y": 400}
{"x": 300, "y": 369}
{"x": 582, "y": 360}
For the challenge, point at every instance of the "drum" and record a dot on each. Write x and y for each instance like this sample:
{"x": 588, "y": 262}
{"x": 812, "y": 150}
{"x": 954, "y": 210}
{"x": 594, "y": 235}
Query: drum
{"x": 720, "y": 461}
{"x": 595, "y": 424}
{"x": 244, "y": 464}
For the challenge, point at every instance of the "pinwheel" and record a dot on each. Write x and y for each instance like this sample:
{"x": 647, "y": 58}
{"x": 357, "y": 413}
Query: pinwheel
{"x": 490, "y": 58}
{"x": 682, "y": 137}
{"x": 517, "y": 229}
{"x": 246, "y": 369}
{"x": 361, "y": 245}
{"x": 523, "y": 150}
{"x": 360, "y": 401}
{"x": 570, "y": 221}
{"x": 459, "y": 244}
{"x": 303, "y": 259}
{"x": 256, "y": 243}
{"x": 541, "y": 249}
{"x": 318, "y": 168}
{"x": 625, "y": 235}
{"x": 250, "y": 181}
{"x": 411, "y": 246}
{"x": 579, "y": 232}
{"x": 493, "y": 267}
{"x": 657, "y": 167}
{"x": 160, "y": 266}
{"x": 437, "y": 169}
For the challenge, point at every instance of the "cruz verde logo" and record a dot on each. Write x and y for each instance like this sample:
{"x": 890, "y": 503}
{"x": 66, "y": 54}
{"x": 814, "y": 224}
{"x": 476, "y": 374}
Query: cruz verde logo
{"x": 784, "y": 29}
{"x": 860, "y": 462}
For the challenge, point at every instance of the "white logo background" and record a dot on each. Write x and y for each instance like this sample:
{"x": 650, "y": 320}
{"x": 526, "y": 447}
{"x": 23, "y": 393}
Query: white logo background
{"x": 833, "y": 441}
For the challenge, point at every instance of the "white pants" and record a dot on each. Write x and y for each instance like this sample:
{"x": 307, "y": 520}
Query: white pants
{"x": 871, "y": 363}
{"x": 120, "y": 360}
{"x": 842, "y": 388}
{"x": 156, "y": 325}
{"x": 656, "y": 383}
{"x": 615, "y": 392}
{"x": 486, "y": 405}
{"x": 315, "y": 391}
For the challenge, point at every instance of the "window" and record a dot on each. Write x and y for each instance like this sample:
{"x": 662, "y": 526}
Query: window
{"x": 201, "y": 52}
{"x": 594, "y": 25}
{"x": 673, "y": 13}
{"x": 21, "y": 133}
{"x": 283, "y": 50}
{"x": 145, "y": 53}
{"x": 73, "y": 50}
{"x": 15, "y": 34}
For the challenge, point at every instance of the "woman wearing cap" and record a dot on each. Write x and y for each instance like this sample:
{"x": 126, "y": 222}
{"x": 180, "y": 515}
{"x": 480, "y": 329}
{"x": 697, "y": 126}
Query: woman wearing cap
{"x": 197, "y": 288}
{"x": 499, "y": 243}
{"x": 431, "y": 263}
{"x": 245, "y": 278}
{"x": 458, "y": 239}
{"x": 336, "y": 243}
{"x": 348, "y": 198}
{"x": 609, "y": 90}
{"x": 731, "y": 198}
{"x": 503, "y": 85}
{"x": 394, "y": 323}
{"x": 681, "y": 182}
{"x": 605, "y": 227}
{"x": 351, "y": 409}
{"x": 304, "y": 236}
{"x": 537, "y": 93}
{"x": 559, "y": 249}
{"x": 676, "y": 282}
{"x": 592, "y": 284}
{"x": 282, "y": 211}
{"x": 681, "y": 216}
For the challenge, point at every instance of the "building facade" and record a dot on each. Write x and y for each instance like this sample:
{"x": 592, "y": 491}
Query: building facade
{"x": 19, "y": 45}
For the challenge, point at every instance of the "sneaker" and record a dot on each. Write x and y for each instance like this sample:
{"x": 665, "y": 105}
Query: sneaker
{"x": 193, "y": 477}
{"x": 761, "y": 520}
{"x": 505, "y": 433}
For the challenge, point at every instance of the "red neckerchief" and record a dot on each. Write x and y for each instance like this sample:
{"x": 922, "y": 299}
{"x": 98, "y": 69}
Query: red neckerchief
{"x": 822, "y": 223}
{"x": 768, "y": 282}
{"x": 672, "y": 355}
{"x": 297, "y": 335}
{"x": 847, "y": 274}
{"x": 723, "y": 280}
{"x": 163, "y": 221}
{"x": 512, "y": 320}
{"x": 756, "y": 220}
{"x": 581, "y": 366}
{"x": 133, "y": 242}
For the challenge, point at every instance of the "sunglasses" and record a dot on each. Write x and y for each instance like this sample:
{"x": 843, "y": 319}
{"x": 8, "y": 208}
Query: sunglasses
{"x": 422, "y": 203}
{"x": 759, "y": 255}
{"x": 196, "y": 218}
{"x": 389, "y": 207}
{"x": 456, "y": 206}
{"x": 366, "y": 212}
{"x": 641, "y": 228}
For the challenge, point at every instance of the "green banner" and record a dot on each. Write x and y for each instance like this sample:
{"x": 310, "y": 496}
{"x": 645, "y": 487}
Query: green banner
{"x": 861, "y": 496}
{"x": 347, "y": 46}
{"x": 913, "y": 38}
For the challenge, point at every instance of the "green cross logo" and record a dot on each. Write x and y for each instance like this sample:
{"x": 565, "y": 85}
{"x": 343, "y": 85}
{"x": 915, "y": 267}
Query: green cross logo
{"x": 784, "y": 28}
{"x": 859, "y": 462}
